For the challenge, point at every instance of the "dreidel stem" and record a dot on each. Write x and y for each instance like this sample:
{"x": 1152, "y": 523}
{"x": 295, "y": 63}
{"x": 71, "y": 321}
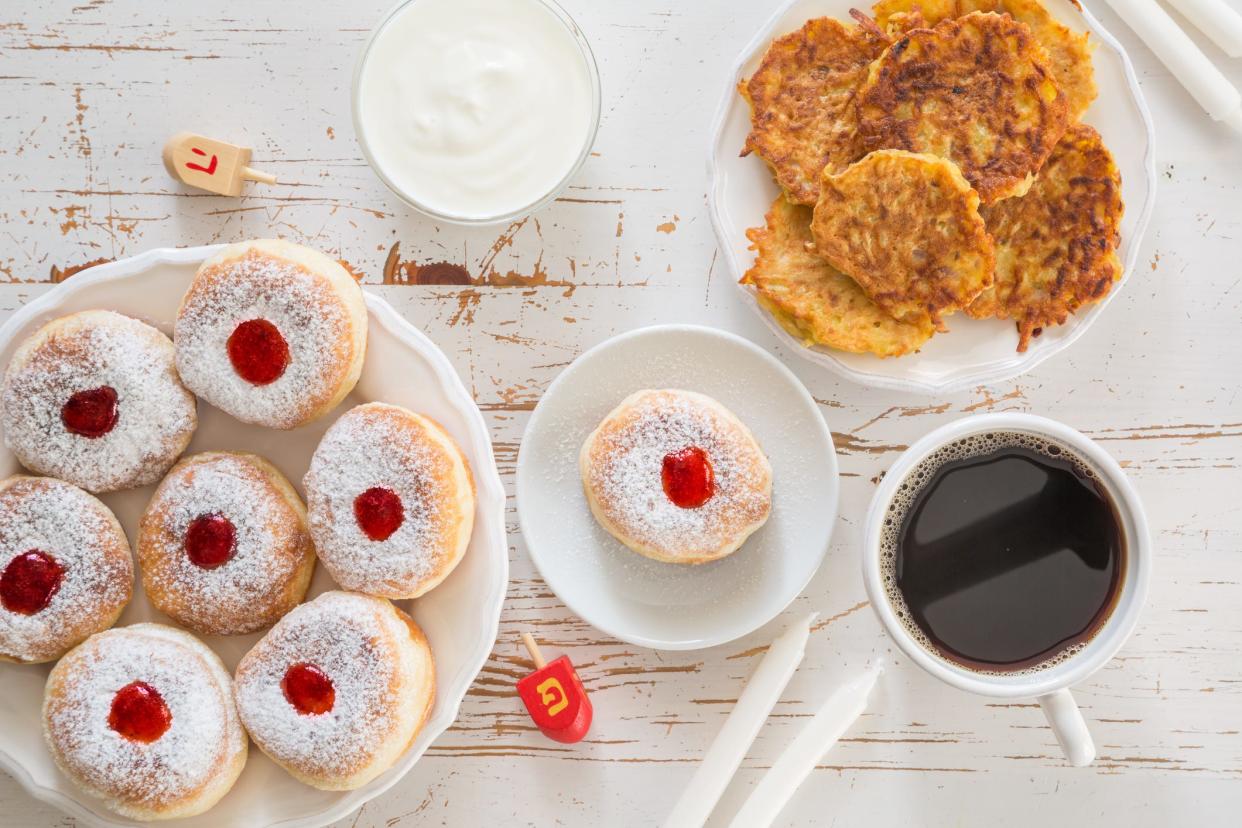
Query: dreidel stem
{"x": 533, "y": 649}
{"x": 251, "y": 174}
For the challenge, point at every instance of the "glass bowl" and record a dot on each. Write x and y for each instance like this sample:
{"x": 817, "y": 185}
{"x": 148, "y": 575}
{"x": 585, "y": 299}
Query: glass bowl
{"x": 588, "y": 58}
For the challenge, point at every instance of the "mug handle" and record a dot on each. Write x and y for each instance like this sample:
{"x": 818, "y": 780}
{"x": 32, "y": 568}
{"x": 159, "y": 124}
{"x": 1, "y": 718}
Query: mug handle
{"x": 1069, "y": 726}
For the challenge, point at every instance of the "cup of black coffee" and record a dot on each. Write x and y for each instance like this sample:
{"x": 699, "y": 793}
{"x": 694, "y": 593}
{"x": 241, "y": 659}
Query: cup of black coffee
{"x": 1008, "y": 555}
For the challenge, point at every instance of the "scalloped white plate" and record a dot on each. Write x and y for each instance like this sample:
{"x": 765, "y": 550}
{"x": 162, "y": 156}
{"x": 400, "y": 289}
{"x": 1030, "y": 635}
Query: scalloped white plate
{"x": 669, "y": 606}
{"x": 460, "y": 617}
{"x": 974, "y": 351}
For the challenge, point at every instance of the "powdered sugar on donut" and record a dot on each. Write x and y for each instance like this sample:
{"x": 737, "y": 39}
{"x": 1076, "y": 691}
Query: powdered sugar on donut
{"x": 247, "y": 592}
{"x": 300, "y": 303}
{"x": 80, "y": 533}
{"x": 378, "y": 446}
{"x": 201, "y": 742}
{"x": 155, "y": 414}
{"x": 623, "y": 460}
{"x": 350, "y": 638}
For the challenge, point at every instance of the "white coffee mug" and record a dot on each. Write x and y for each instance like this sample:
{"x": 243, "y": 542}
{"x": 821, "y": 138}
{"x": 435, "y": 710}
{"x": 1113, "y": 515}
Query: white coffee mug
{"x": 1049, "y": 685}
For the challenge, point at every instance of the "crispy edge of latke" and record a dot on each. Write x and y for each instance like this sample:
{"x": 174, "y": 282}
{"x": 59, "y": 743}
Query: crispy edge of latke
{"x": 1068, "y": 52}
{"x": 782, "y": 232}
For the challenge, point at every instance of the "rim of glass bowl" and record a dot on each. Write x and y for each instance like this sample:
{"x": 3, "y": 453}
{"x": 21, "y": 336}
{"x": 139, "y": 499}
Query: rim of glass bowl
{"x": 588, "y": 57}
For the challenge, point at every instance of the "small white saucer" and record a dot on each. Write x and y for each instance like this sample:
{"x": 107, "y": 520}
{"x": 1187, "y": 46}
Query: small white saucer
{"x": 670, "y": 606}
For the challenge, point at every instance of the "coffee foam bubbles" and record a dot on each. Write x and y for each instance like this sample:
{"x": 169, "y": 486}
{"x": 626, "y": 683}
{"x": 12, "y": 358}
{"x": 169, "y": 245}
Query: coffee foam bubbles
{"x": 912, "y": 485}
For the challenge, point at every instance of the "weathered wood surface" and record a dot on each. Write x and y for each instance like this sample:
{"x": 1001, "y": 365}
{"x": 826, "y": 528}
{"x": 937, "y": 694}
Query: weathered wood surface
{"x": 90, "y": 89}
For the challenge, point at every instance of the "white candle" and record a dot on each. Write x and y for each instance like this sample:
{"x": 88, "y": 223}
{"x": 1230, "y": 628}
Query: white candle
{"x": 1183, "y": 58}
{"x": 729, "y": 747}
{"x": 1216, "y": 19}
{"x": 841, "y": 709}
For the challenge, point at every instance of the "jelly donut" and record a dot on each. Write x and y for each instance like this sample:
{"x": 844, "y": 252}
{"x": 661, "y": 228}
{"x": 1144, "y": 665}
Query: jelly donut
{"x": 337, "y": 690}
{"x": 676, "y": 477}
{"x": 143, "y": 717}
{"x": 223, "y": 545}
{"x": 65, "y": 568}
{"x": 391, "y": 501}
{"x": 93, "y": 398}
{"x": 272, "y": 333}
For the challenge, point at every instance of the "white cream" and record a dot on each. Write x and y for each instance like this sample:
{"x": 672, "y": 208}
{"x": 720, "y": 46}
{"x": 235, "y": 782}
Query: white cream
{"x": 475, "y": 109}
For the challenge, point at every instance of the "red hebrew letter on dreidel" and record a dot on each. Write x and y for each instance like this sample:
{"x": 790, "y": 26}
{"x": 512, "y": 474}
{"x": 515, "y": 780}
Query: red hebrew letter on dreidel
{"x": 210, "y": 169}
{"x": 555, "y": 698}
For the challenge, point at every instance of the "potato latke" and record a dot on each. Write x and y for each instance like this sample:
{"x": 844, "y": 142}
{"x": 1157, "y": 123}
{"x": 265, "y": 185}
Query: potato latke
{"x": 1069, "y": 52}
{"x": 906, "y": 228}
{"x": 814, "y": 301}
{"x": 977, "y": 90}
{"x": 802, "y": 102}
{"x": 1056, "y": 246}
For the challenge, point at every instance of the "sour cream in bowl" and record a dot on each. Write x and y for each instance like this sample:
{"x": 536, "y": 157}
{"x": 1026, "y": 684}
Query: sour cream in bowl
{"x": 476, "y": 111}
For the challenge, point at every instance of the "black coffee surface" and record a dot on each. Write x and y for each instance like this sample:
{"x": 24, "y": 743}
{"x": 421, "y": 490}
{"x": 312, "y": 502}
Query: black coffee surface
{"x": 1008, "y": 558}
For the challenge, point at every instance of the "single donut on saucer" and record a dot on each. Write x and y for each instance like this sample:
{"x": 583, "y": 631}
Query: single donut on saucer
{"x": 223, "y": 545}
{"x": 391, "y": 501}
{"x": 143, "y": 717}
{"x": 272, "y": 333}
{"x": 675, "y": 476}
{"x": 337, "y": 690}
{"x": 93, "y": 398}
{"x": 65, "y": 568}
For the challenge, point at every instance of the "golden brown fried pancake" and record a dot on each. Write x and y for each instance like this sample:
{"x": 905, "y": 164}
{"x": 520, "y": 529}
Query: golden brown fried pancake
{"x": 1056, "y": 246}
{"x": 907, "y": 228}
{"x": 1069, "y": 52}
{"x": 977, "y": 90}
{"x": 801, "y": 99}
{"x": 814, "y": 301}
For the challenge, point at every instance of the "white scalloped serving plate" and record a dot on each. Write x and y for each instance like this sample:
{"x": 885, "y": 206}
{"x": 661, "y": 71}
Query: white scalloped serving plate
{"x": 460, "y": 617}
{"x": 974, "y": 352}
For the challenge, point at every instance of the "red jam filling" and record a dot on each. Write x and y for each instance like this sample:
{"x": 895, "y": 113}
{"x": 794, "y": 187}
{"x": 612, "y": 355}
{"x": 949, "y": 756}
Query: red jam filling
{"x": 308, "y": 689}
{"x": 258, "y": 351}
{"x": 139, "y": 713}
{"x": 210, "y": 540}
{"x": 29, "y": 582}
{"x": 379, "y": 513}
{"x": 688, "y": 478}
{"x": 91, "y": 413}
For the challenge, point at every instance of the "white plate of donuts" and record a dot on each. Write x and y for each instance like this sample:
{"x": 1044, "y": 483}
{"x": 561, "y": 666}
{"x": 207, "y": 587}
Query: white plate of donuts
{"x": 677, "y": 487}
{"x": 252, "y": 543}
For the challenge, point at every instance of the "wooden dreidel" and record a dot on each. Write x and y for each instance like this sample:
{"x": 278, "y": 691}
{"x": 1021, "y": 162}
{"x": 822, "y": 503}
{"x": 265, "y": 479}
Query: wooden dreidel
{"x": 210, "y": 164}
{"x": 554, "y": 696}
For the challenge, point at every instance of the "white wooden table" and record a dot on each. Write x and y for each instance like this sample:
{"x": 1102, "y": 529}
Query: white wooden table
{"x": 90, "y": 88}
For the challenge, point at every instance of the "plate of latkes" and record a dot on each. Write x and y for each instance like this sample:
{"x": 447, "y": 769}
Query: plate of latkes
{"x": 459, "y": 617}
{"x": 928, "y": 195}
